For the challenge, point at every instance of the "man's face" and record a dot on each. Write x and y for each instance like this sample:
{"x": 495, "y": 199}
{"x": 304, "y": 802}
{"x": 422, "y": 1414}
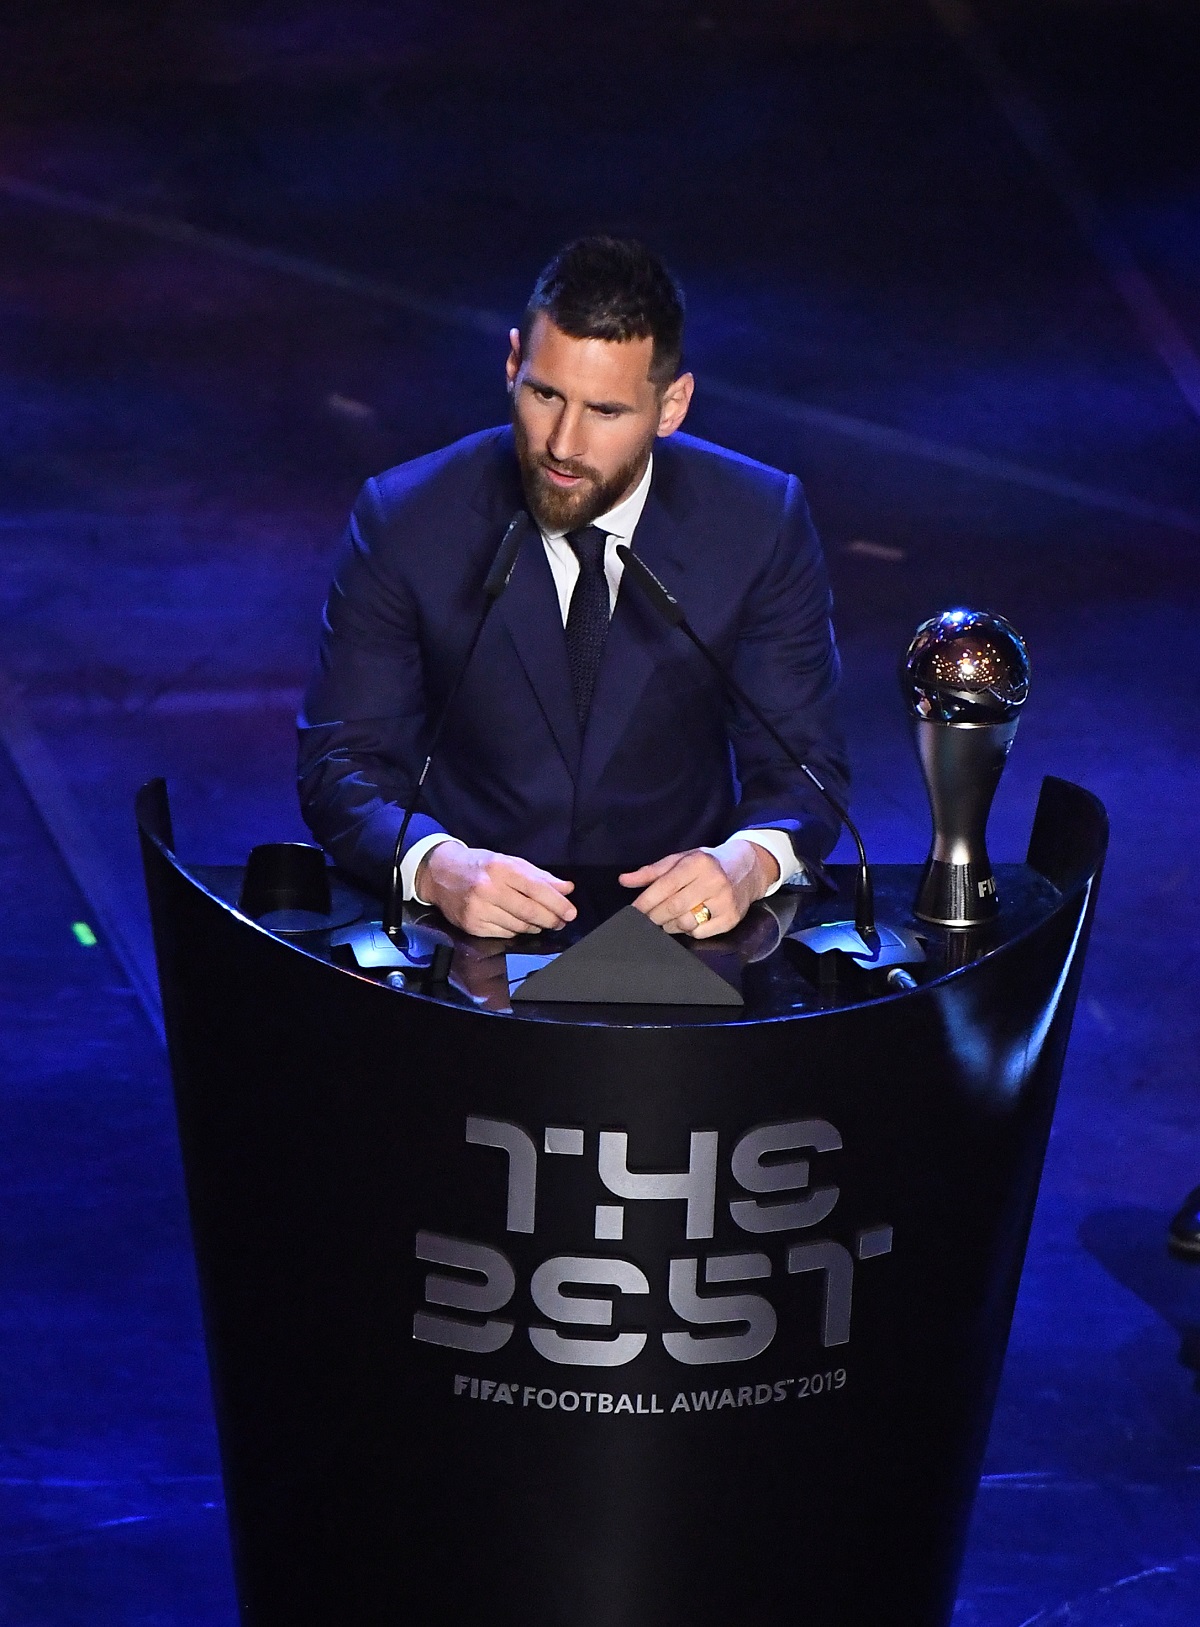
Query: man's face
{"x": 585, "y": 417}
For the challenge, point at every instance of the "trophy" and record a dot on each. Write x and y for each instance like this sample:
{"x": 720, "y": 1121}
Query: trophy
{"x": 965, "y": 678}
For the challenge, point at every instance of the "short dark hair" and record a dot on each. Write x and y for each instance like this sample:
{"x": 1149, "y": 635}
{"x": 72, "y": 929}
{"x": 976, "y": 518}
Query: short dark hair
{"x": 612, "y": 288}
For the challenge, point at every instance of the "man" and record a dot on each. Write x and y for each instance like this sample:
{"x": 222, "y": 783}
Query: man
{"x": 586, "y": 731}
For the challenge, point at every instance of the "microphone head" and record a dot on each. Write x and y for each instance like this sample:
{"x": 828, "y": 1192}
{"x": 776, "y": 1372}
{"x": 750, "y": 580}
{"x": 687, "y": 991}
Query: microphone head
{"x": 965, "y": 666}
{"x": 506, "y": 557}
{"x": 668, "y": 607}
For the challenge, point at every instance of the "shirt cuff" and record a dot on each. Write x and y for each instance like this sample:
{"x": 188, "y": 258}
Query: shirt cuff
{"x": 411, "y": 863}
{"x": 778, "y": 844}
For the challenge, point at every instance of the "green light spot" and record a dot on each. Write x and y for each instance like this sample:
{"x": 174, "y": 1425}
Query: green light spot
{"x": 84, "y": 934}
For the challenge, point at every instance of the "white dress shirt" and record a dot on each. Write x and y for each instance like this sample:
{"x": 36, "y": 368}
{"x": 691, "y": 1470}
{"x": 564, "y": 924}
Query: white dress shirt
{"x": 620, "y": 523}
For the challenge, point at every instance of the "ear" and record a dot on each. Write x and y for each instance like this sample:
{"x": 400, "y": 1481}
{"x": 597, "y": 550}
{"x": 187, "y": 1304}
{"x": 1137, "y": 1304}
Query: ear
{"x": 676, "y": 399}
{"x": 513, "y": 365}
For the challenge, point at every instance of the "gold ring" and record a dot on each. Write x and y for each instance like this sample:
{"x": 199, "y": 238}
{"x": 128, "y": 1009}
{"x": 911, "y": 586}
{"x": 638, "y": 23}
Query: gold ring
{"x": 702, "y": 913}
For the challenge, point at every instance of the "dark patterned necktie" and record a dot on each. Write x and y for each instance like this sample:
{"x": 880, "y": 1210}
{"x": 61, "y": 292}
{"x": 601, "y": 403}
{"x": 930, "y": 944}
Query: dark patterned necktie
{"x": 587, "y": 618}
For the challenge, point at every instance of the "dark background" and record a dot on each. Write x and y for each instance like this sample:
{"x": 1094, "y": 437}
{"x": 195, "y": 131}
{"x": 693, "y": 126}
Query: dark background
{"x": 942, "y": 260}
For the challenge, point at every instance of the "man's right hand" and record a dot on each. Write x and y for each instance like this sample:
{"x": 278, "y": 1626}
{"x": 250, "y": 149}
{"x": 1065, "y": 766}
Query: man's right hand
{"x": 492, "y": 895}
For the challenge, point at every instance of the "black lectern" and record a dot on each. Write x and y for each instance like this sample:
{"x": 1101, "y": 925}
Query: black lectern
{"x": 587, "y": 1317}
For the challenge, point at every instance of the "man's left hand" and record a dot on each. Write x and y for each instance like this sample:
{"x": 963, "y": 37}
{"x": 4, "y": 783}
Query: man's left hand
{"x": 725, "y": 880}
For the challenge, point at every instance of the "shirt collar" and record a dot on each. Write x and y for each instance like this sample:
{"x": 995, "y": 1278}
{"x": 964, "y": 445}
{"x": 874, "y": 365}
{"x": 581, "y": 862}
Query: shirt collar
{"x": 621, "y": 521}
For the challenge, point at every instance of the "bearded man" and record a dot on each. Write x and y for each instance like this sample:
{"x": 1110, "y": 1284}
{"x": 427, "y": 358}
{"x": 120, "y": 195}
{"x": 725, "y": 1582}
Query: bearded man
{"x": 587, "y": 731}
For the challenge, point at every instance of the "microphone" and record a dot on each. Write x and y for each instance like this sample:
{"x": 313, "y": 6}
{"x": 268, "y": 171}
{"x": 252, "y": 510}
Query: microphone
{"x": 494, "y": 584}
{"x": 671, "y": 611}
{"x": 965, "y": 678}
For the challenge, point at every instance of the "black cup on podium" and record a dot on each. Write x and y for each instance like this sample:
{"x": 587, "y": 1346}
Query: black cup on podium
{"x": 286, "y": 888}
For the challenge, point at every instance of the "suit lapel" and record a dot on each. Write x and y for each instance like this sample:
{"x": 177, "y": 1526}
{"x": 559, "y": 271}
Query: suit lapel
{"x": 530, "y": 612}
{"x": 638, "y": 638}
{"x": 528, "y": 609}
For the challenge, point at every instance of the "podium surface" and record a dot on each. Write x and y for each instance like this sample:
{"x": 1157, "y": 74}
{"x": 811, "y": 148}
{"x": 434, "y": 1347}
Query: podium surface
{"x": 612, "y": 1316}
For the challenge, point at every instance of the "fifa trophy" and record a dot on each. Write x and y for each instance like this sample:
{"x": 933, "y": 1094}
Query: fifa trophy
{"x": 965, "y": 679}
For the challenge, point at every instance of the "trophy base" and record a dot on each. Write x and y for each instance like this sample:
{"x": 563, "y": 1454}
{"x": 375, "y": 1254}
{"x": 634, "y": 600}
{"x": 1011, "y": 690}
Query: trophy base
{"x": 956, "y": 895}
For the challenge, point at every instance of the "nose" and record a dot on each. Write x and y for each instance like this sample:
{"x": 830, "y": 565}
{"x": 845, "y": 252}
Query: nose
{"x": 565, "y": 443}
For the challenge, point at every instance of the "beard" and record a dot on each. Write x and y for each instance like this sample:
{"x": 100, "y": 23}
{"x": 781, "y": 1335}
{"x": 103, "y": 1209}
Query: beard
{"x": 557, "y": 510}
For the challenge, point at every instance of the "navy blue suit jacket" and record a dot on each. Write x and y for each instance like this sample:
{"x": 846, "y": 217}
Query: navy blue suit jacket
{"x": 664, "y": 763}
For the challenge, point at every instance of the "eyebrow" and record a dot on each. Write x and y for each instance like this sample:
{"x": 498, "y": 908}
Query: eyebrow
{"x": 529, "y": 382}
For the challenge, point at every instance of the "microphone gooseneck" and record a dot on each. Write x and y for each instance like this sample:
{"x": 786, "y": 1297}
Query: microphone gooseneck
{"x": 672, "y": 612}
{"x": 494, "y": 585}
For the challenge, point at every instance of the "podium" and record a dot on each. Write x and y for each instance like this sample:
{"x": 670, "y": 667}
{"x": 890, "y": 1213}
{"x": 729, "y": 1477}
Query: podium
{"x": 612, "y": 1317}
